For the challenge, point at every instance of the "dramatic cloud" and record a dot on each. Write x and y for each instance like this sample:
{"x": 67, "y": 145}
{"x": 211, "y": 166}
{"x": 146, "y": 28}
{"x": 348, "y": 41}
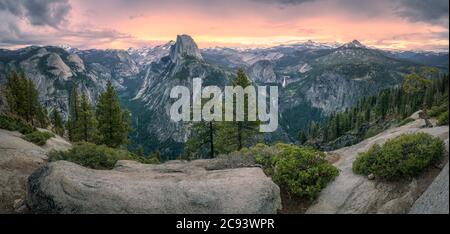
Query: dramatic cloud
{"x": 389, "y": 24}
{"x": 289, "y": 2}
{"x": 38, "y": 12}
{"x": 80, "y": 38}
{"x": 44, "y": 22}
{"x": 430, "y": 11}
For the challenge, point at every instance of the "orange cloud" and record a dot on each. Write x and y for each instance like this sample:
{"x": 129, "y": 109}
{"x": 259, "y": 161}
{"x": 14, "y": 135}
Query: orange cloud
{"x": 122, "y": 24}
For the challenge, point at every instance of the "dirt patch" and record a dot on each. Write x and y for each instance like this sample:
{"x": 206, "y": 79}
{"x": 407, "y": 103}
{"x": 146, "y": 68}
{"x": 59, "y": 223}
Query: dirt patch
{"x": 18, "y": 159}
{"x": 293, "y": 205}
{"x": 332, "y": 157}
{"x": 427, "y": 177}
{"x": 14, "y": 174}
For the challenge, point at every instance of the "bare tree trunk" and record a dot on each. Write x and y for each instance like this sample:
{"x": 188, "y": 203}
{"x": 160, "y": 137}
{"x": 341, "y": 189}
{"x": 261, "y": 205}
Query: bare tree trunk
{"x": 424, "y": 116}
{"x": 211, "y": 138}
{"x": 239, "y": 136}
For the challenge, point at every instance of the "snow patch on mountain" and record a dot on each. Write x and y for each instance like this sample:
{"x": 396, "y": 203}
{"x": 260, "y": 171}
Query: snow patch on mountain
{"x": 147, "y": 55}
{"x": 353, "y": 44}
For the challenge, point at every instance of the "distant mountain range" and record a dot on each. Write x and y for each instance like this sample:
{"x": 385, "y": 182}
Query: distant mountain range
{"x": 315, "y": 79}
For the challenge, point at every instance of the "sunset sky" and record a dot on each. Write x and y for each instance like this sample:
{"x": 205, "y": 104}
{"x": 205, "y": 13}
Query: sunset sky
{"x": 120, "y": 24}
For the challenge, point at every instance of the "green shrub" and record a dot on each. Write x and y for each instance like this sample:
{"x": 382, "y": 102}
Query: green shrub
{"x": 303, "y": 172}
{"x": 38, "y": 138}
{"x": 405, "y": 156}
{"x": 15, "y": 124}
{"x": 435, "y": 111}
{"x": 262, "y": 154}
{"x": 97, "y": 156}
{"x": 443, "y": 118}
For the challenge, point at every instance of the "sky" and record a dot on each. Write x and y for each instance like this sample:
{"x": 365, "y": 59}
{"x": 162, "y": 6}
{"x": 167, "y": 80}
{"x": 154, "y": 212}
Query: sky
{"x": 121, "y": 24}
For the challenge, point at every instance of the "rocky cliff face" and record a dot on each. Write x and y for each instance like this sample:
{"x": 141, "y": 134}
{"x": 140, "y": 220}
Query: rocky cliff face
{"x": 262, "y": 72}
{"x": 151, "y": 103}
{"x": 184, "y": 47}
{"x": 334, "y": 80}
{"x": 115, "y": 65}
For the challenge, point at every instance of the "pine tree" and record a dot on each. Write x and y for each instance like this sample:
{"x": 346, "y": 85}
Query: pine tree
{"x": 416, "y": 84}
{"x": 57, "y": 122}
{"x": 338, "y": 125}
{"x": 237, "y": 134}
{"x": 382, "y": 104}
{"x": 22, "y": 98}
{"x": 86, "y": 121}
{"x": 15, "y": 95}
{"x": 325, "y": 134}
{"x": 201, "y": 143}
{"x": 202, "y": 140}
{"x": 42, "y": 117}
{"x": 139, "y": 151}
{"x": 313, "y": 130}
{"x": 156, "y": 155}
{"x": 429, "y": 96}
{"x": 112, "y": 120}
{"x": 302, "y": 138}
{"x": 367, "y": 115}
{"x": 32, "y": 104}
{"x": 74, "y": 109}
{"x": 245, "y": 128}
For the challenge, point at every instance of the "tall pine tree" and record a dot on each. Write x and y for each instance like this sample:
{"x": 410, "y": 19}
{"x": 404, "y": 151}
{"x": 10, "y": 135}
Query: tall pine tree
{"x": 22, "y": 98}
{"x": 202, "y": 142}
{"x": 235, "y": 135}
{"x": 112, "y": 120}
{"x": 15, "y": 94}
{"x": 86, "y": 121}
{"x": 302, "y": 138}
{"x": 73, "y": 127}
{"x": 416, "y": 84}
{"x": 57, "y": 122}
{"x": 32, "y": 105}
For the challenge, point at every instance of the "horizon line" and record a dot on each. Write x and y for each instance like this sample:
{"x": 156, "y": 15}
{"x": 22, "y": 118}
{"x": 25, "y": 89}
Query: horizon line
{"x": 153, "y": 44}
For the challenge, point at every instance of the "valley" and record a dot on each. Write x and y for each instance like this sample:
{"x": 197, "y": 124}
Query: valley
{"x": 314, "y": 80}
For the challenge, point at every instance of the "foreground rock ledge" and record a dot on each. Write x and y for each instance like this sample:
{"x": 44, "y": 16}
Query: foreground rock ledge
{"x": 175, "y": 187}
{"x": 355, "y": 194}
{"x": 18, "y": 159}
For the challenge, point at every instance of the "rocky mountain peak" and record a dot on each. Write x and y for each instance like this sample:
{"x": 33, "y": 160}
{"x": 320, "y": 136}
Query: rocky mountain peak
{"x": 353, "y": 44}
{"x": 184, "y": 46}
